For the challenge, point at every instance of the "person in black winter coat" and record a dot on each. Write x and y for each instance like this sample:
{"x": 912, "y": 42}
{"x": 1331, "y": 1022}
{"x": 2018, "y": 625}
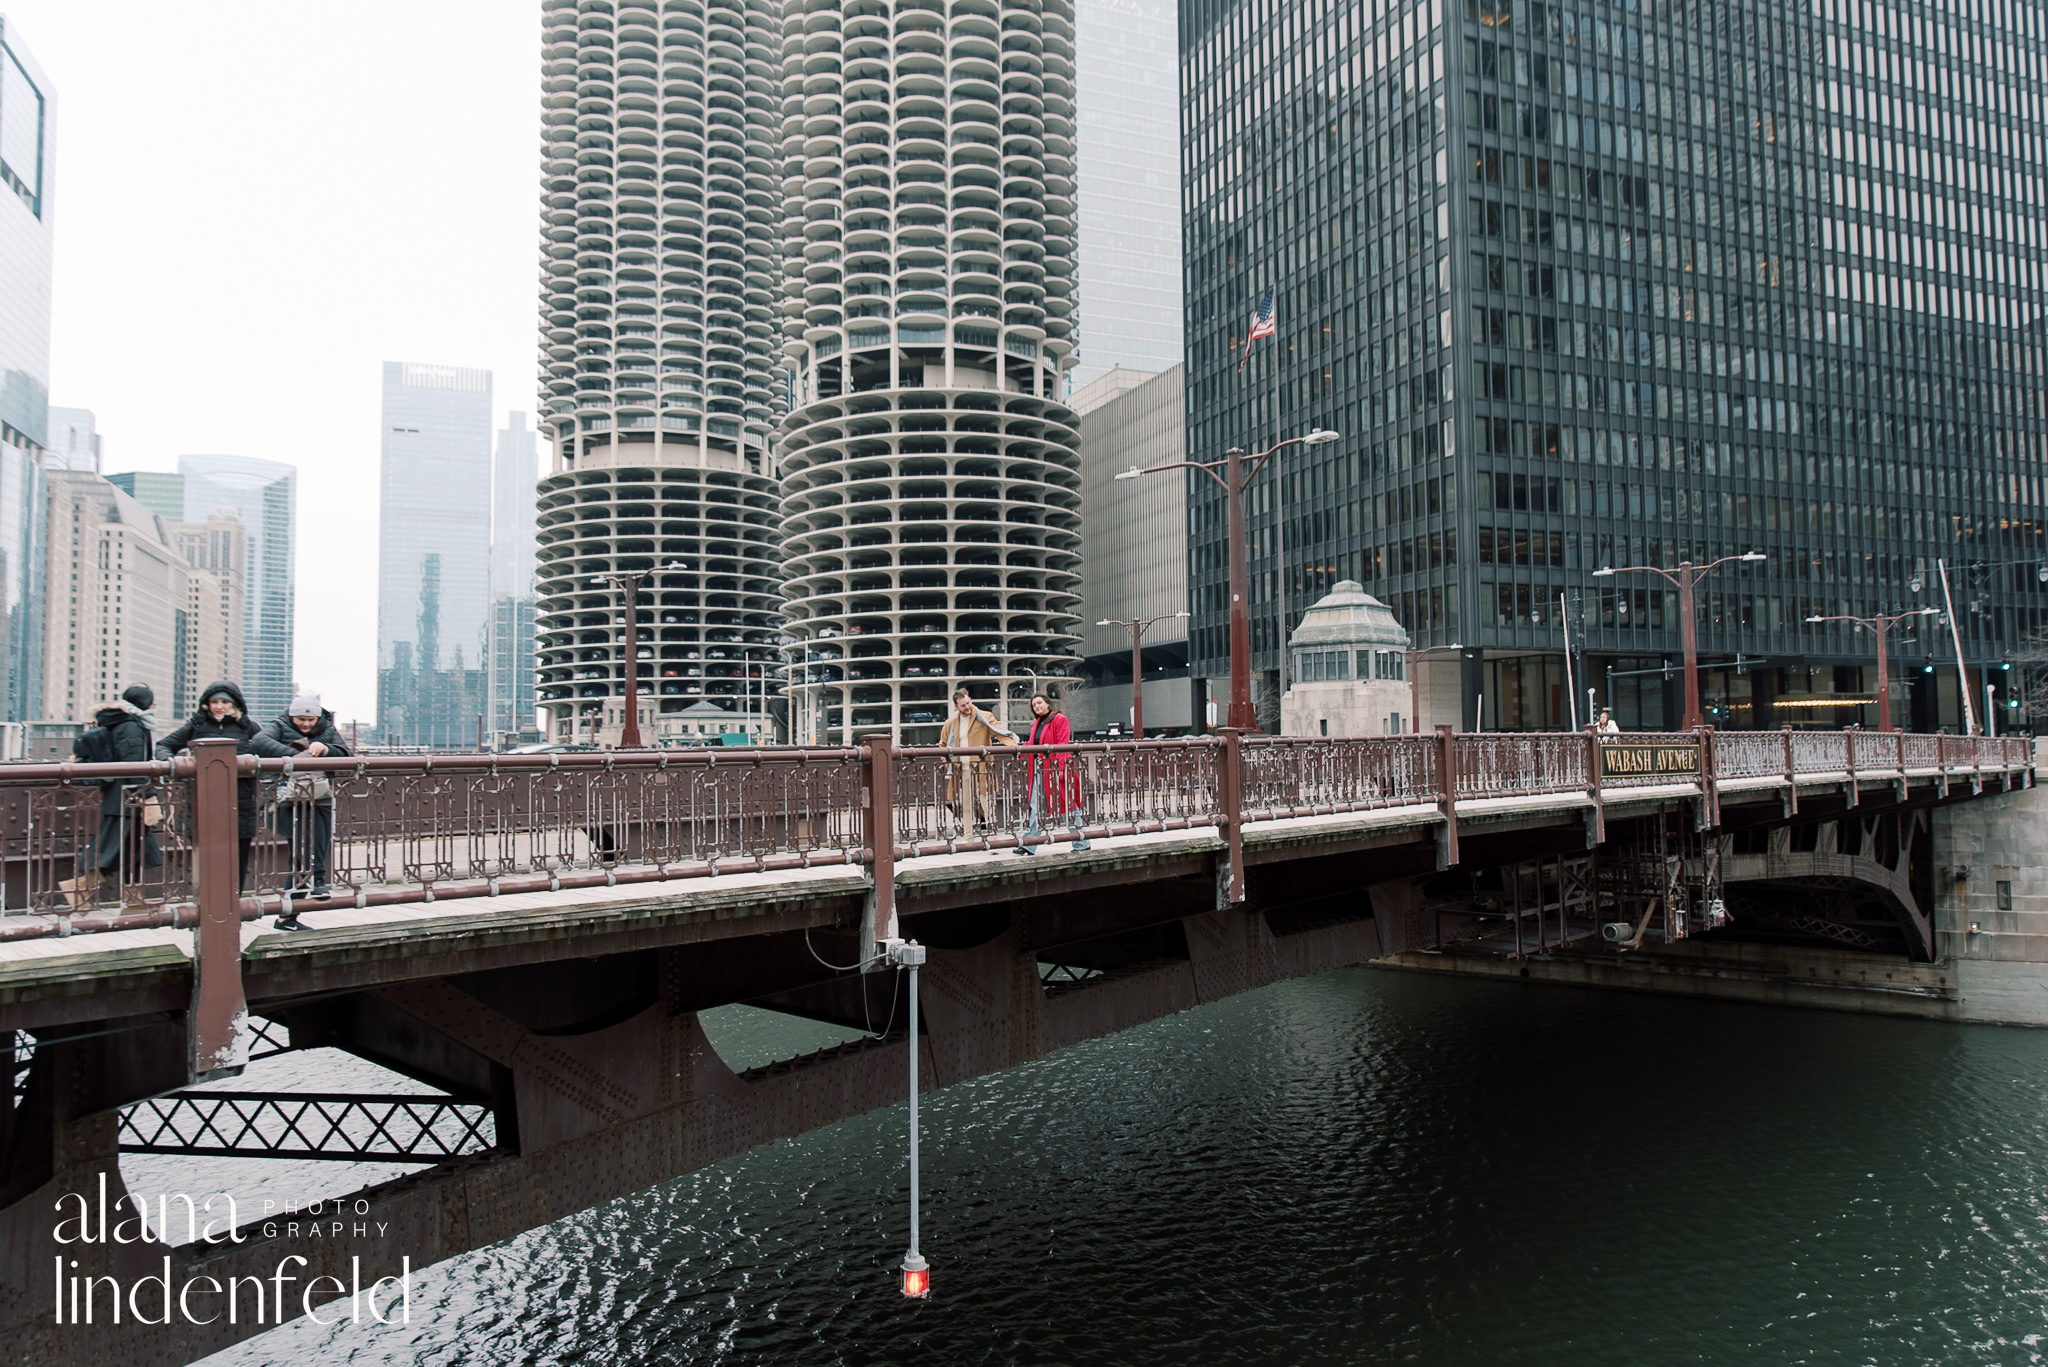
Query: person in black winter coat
{"x": 223, "y": 715}
{"x": 122, "y": 733}
{"x": 305, "y": 802}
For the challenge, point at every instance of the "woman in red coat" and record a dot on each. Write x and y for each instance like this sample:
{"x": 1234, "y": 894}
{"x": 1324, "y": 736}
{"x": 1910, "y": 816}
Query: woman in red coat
{"x": 1055, "y": 779}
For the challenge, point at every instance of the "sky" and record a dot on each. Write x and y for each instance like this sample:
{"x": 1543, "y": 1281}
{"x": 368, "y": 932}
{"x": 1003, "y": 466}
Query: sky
{"x": 256, "y": 205}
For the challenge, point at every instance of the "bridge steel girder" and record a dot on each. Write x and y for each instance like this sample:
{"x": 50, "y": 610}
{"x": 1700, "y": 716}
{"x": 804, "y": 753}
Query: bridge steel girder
{"x": 612, "y": 1111}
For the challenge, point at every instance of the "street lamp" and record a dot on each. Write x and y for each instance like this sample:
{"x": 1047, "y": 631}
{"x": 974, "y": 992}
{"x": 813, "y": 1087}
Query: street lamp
{"x": 1415, "y": 653}
{"x": 1137, "y": 627}
{"x": 1882, "y": 625}
{"x": 628, "y": 582}
{"x": 1685, "y": 576}
{"x": 1239, "y": 470}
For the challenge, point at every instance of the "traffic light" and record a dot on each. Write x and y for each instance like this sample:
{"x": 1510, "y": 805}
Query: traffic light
{"x": 1928, "y": 667}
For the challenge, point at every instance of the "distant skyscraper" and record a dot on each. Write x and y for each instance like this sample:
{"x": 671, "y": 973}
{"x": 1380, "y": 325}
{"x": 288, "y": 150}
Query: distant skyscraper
{"x": 119, "y": 615}
{"x": 660, "y": 213}
{"x": 74, "y": 441}
{"x": 931, "y": 492}
{"x": 264, "y": 495}
{"x": 516, "y": 471}
{"x": 27, "y": 173}
{"x": 160, "y": 491}
{"x": 1127, "y": 128}
{"x": 434, "y": 553}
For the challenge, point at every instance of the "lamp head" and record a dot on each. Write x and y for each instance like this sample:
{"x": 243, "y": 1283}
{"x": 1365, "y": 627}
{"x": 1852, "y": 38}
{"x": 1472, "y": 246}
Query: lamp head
{"x": 1319, "y": 437}
{"x": 1754, "y": 555}
{"x": 1105, "y": 622}
{"x": 1604, "y": 572}
{"x": 1182, "y": 613}
{"x": 1816, "y": 618}
{"x": 1131, "y": 473}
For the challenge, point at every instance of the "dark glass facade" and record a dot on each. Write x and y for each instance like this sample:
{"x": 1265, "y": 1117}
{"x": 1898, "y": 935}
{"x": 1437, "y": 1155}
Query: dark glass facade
{"x": 1607, "y": 284}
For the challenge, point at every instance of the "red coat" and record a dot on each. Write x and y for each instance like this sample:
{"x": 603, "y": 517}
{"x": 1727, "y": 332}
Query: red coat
{"x": 1061, "y": 781}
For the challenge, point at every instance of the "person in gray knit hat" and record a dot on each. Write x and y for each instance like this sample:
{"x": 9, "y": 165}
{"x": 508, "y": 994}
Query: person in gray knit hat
{"x": 305, "y": 802}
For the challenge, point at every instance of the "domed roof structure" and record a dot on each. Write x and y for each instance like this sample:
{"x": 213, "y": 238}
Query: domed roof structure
{"x": 1349, "y": 616}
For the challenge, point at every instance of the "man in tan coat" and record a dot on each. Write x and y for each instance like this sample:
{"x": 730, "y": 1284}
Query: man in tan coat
{"x": 970, "y": 728}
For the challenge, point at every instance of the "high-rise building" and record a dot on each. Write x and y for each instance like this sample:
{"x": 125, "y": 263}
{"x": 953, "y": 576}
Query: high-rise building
{"x": 27, "y": 179}
{"x": 74, "y": 441}
{"x": 515, "y": 471}
{"x": 162, "y": 492}
{"x": 660, "y": 210}
{"x": 1127, "y": 130}
{"x": 931, "y": 495}
{"x": 434, "y": 554}
{"x": 1601, "y": 285}
{"x": 216, "y": 555}
{"x": 116, "y": 614}
{"x": 263, "y": 494}
{"x": 1134, "y": 551}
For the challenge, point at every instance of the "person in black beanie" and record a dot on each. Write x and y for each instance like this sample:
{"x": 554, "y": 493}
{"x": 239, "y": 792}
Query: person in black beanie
{"x": 125, "y": 846}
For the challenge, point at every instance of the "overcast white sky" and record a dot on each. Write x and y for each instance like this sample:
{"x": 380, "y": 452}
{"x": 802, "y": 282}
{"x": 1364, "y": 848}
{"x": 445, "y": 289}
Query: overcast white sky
{"x": 256, "y": 205}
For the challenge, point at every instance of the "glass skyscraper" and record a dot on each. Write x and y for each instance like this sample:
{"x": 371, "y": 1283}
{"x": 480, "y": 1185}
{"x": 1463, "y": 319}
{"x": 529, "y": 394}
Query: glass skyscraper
{"x": 27, "y": 179}
{"x": 515, "y": 471}
{"x": 1127, "y": 173}
{"x": 264, "y": 495}
{"x": 434, "y": 554}
{"x": 1628, "y": 284}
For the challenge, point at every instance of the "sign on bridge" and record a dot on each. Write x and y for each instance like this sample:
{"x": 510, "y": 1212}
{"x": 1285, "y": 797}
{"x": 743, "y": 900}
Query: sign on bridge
{"x": 1632, "y": 759}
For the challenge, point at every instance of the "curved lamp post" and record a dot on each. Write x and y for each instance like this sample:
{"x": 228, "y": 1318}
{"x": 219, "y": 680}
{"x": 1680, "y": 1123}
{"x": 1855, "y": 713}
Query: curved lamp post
{"x": 1237, "y": 472}
{"x": 1684, "y": 577}
{"x": 628, "y": 583}
{"x": 1136, "y": 626}
{"x": 1882, "y": 625}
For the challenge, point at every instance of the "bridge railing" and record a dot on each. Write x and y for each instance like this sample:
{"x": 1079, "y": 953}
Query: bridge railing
{"x": 419, "y": 828}
{"x": 950, "y": 800}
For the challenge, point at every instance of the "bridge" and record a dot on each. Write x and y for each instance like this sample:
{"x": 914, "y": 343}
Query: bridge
{"x": 531, "y": 939}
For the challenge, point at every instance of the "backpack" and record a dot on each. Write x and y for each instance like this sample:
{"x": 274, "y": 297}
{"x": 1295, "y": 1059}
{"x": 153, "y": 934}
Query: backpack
{"x": 95, "y": 745}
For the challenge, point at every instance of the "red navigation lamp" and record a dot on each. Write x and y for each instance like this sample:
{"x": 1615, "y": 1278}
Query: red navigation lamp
{"x": 917, "y": 1277}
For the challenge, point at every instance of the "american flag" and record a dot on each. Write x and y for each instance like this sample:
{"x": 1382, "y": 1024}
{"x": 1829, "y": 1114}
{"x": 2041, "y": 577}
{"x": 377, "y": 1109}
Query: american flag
{"x": 1262, "y": 326}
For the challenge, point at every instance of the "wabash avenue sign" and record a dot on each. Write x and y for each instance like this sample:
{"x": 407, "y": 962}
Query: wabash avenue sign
{"x": 1627, "y": 759}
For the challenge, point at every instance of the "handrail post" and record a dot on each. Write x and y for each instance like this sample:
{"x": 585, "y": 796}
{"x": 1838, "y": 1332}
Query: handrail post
{"x": 218, "y": 1018}
{"x": 1230, "y": 795}
{"x": 1597, "y": 828}
{"x": 1447, "y": 796}
{"x": 1791, "y": 776}
{"x": 1850, "y": 796}
{"x": 1940, "y": 764}
{"x": 1710, "y": 784}
{"x": 878, "y": 833}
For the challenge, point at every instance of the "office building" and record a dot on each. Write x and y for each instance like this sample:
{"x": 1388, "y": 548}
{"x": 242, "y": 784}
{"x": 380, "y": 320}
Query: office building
{"x": 74, "y": 441}
{"x": 434, "y": 554}
{"x": 931, "y": 490}
{"x": 118, "y": 597}
{"x": 515, "y": 471}
{"x": 162, "y": 492}
{"x": 1134, "y": 553}
{"x": 1127, "y": 134}
{"x": 27, "y": 209}
{"x": 216, "y": 556}
{"x": 263, "y": 496}
{"x": 660, "y": 213}
{"x": 1596, "y": 286}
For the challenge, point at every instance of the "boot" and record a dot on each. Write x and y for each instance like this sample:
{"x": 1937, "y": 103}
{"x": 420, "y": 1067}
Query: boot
{"x": 80, "y": 893}
{"x": 134, "y": 898}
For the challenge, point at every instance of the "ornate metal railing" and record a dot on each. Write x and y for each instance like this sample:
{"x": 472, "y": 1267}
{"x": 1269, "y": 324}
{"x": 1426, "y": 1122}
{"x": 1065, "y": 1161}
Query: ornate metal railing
{"x": 332, "y": 1126}
{"x": 422, "y": 828}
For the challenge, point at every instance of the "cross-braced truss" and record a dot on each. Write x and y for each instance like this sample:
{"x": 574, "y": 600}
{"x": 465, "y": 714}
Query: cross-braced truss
{"x": 338, "y": 1127}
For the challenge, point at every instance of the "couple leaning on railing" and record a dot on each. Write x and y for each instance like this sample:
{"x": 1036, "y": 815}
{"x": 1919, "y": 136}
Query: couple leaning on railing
{"x": 1051, "y": 778}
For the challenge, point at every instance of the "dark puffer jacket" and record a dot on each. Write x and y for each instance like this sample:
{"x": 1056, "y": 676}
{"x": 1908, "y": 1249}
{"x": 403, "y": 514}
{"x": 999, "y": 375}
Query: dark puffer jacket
{"x": 249, "y": 739}
{"x": 284, "y": 733}
{"x": 128, "y": 736}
